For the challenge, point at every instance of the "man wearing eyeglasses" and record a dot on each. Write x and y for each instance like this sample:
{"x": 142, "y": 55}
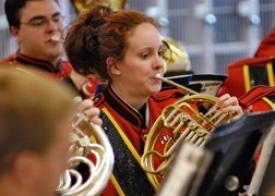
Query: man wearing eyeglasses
{"x": 33, "y": 23}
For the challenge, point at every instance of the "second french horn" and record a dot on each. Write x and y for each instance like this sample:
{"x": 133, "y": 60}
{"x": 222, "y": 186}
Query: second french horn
{"x": 89, "y": 142}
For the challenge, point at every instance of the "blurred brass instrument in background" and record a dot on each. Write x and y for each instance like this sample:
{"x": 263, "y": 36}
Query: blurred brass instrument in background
{"x": 87, "y": 140}
{"x": 190, "y": 119}
{"x": 179, "y": 59}
{"x": 80, "y": 5}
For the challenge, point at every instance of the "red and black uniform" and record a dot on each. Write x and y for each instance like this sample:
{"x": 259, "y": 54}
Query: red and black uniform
{"x": 127, "y": 129}
{"x": 44, "y": 68}
{"x": 246, "y": 73}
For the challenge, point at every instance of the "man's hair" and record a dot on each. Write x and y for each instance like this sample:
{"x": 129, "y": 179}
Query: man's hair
{"x": 13, "y": 9}
{"x": 31, "y": 109}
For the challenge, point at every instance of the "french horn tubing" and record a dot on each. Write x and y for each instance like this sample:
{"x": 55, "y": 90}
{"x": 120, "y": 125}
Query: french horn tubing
{"x": 191, "y": 119}
{"x": 87, "y": 140}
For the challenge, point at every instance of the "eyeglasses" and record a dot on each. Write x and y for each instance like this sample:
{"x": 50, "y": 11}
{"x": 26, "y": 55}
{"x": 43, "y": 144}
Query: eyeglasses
{"x": 39, "y": 22}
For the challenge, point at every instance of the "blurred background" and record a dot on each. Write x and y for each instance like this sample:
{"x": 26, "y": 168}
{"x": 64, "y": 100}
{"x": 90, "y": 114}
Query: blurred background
{"x": 214, "y": 33}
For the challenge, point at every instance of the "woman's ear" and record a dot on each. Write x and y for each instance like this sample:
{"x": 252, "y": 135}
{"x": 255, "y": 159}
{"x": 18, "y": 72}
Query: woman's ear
{"x": 113, "y": 66}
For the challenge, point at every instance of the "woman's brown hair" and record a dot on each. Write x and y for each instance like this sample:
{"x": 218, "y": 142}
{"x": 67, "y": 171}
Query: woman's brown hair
{"x": 99, "y": 33}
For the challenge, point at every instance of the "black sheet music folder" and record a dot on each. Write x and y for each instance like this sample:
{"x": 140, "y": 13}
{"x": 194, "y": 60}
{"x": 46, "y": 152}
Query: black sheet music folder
{"x": 234, "y": 145}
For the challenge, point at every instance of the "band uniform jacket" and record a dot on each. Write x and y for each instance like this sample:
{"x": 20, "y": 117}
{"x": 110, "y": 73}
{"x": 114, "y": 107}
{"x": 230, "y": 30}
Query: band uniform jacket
{"x": 131, "y": 127}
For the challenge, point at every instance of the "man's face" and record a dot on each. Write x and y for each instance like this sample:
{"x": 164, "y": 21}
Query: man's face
{"x": 39, "y": 21}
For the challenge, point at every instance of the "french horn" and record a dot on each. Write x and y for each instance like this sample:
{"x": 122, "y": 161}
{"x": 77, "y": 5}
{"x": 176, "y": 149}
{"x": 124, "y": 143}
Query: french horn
{"x": 190, "y": 119}
{"x": 88, "y": 140}
{"x": 91, "y": 148}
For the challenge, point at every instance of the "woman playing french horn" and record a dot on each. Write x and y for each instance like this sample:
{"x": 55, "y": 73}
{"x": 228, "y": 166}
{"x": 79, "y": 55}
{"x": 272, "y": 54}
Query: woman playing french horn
{"x": 125, "y": 49}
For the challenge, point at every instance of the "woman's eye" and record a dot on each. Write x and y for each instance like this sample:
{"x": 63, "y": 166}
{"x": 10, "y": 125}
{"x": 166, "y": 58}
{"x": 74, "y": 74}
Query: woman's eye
{"x": 144, "y": 55}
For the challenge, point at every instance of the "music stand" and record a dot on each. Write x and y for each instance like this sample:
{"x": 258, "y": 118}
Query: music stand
{"x": 228, "y": 155}
{"x": 211, "y": 83}
{"x": 263, "y": 181}
{"x": 234, "y": 146}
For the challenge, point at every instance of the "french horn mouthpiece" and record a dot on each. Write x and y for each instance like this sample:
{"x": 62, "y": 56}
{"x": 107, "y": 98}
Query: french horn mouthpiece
{"x": 171, "y": 82}
{"x": 57, "y": 38}
{"x": 158, "y": 76}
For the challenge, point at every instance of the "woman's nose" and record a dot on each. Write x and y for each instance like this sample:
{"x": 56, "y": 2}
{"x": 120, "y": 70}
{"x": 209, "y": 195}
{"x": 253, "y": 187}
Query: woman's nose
{"x": 159, "y": 62}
